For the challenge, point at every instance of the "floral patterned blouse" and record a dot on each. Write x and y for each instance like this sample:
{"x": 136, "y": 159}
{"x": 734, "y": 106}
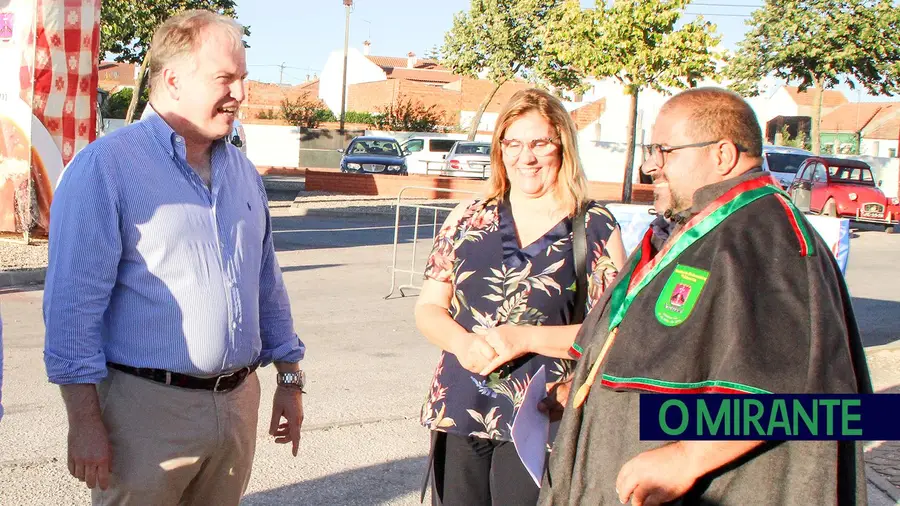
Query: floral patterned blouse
{"x": 496, "y": 282}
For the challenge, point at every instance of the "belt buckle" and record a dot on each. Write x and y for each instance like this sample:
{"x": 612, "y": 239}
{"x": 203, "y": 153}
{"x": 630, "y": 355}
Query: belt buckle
{"x": 220, "y": 378}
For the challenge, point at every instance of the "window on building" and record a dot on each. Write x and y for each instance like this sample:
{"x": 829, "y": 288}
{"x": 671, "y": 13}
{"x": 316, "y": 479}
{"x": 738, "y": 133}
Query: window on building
{"x": 892, "y": 152}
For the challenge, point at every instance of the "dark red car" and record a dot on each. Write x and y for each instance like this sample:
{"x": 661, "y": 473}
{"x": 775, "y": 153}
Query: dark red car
{"x": 843, "y": 188}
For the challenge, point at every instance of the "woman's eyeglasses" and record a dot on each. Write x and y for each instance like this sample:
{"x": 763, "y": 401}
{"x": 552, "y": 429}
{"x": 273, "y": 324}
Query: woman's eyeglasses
{"x": 538, "y": 147}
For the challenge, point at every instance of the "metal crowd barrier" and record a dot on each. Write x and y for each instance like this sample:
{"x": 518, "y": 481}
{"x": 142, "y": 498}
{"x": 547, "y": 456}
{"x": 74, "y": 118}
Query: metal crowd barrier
{"x": 412, "y": 271}
{"x": 443, "y": 169}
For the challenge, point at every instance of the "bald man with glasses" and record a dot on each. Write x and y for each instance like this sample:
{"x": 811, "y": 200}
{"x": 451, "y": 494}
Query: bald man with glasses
{"x": 730, "y": 291}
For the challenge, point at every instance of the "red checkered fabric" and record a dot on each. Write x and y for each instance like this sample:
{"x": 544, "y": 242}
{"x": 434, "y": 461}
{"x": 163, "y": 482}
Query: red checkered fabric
{"x": 66, "y": 51}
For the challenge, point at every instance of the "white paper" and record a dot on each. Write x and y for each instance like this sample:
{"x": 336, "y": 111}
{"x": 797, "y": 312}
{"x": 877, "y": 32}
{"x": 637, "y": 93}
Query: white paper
{"x": 531, "y": 428}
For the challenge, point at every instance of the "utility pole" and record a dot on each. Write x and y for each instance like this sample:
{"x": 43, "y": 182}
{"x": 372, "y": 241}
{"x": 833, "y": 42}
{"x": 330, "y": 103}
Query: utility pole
{"x": 347, "y": 5}
{"x": 281, "y": 75}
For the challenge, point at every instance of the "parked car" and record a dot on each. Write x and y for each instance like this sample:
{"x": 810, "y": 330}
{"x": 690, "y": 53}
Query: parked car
{"x": 843, "y": 188}
{"x": 424, "y": 154}
{"x": 468, "y": 159}
{"x": 783, "y": 161}
{"x": 367, "y": 154}
{"x": 238, "y": 137}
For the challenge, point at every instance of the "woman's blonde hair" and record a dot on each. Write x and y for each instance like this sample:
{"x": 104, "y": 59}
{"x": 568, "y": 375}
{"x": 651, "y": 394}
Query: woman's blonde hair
{"x": 571, "y": 185}
{"x": 180, "y": 36}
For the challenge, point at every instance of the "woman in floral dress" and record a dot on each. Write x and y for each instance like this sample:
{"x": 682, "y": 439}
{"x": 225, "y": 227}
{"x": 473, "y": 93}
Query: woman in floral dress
{"x": 499, "y": 298}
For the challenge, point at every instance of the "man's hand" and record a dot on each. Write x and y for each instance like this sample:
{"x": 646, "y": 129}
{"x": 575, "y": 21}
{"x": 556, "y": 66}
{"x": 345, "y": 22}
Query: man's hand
{"x": 287, "y": 405}
{"x": 656, "y": 476}
{"x": 89, "y": 452}
{"x": 555, "y": 402}
{"x": 474, "y": 353}
{"x": 509, "y": 342}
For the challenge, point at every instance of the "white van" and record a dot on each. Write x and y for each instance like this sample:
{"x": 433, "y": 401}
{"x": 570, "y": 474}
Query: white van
{"x": 425, "y": 155}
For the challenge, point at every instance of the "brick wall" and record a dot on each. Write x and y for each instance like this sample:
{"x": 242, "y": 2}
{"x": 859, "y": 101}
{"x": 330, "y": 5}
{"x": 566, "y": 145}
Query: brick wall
{"x": 474, "y": 91}
{"x": 267, "y": 97}
{"x": 462, "y": 95}
{"x": 387, "y": 185}
{"x": 116, "y": 76}
{"x": 587, "y": 114}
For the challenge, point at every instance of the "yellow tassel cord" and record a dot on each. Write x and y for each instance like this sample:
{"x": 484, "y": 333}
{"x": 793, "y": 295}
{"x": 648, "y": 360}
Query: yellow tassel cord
{"x": 585, "y": 389}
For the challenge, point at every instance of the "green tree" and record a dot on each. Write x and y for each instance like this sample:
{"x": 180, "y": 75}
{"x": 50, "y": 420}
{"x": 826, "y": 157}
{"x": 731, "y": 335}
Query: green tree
{"x": 636, "y": 43}
{"x": 820, "y": 43}
{"x": 500, "y": 40}
{"x": 127, "y": 26}
{"x": 305, "y": 112}
{"x": 406, "y": 115}
{"x": 800, "y": 141}
{"x": 116, "y": 106}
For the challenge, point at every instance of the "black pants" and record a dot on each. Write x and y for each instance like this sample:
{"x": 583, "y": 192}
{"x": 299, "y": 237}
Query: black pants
{"x": 470, "y": 471}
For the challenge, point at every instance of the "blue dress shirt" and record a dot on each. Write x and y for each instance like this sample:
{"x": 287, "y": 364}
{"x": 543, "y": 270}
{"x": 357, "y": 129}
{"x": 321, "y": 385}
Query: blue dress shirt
{"x": 151, "y": 268}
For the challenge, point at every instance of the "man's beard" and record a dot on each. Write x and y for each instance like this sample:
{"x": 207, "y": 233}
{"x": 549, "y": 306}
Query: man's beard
{"x": 677, "y": 203}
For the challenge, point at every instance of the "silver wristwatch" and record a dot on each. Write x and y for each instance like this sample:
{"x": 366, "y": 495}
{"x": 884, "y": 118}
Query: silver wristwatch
{"x": 293, "y": 380}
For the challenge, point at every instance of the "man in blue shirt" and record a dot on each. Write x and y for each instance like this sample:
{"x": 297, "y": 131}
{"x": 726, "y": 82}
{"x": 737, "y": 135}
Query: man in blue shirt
{"x": 163, "y": 293}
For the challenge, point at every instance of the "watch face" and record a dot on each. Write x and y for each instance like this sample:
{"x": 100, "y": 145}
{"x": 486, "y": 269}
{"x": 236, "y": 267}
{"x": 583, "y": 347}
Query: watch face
{"x": 292, "y": 378}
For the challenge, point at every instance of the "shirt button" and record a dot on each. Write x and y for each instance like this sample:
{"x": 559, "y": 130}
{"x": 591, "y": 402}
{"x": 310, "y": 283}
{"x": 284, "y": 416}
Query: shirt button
{"x": 179, "y": 139}
{"x": 233, "y": 325}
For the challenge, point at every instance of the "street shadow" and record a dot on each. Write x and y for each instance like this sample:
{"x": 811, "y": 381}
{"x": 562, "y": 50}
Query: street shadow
{"x": 375, "y": 484}
{"x": 21, "y": 289}
{"x": 296, "y": 268}
{"x": 877, "y": 320}
{"x": 859, "y": 227}
{"x": 316, "y": 231}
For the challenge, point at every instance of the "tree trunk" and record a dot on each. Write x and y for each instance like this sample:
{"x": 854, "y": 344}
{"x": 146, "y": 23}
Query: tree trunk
{"x": 629, "y": 147}
{"x": 139, "y": 89}
{"x": 817, "y": 114}
{"x": 484, "y": 104}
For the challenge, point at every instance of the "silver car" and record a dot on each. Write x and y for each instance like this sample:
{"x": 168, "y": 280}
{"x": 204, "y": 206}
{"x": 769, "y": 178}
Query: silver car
{"x": 783, "y": 161}
{"x": 468, "y": 159}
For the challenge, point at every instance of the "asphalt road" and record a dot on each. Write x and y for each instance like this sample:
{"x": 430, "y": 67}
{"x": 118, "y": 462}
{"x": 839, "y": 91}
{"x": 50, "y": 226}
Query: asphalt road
{"x": 368, "y": 370}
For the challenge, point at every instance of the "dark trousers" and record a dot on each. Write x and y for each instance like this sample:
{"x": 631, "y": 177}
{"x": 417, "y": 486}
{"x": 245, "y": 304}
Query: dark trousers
{"x": 471, "y": 471}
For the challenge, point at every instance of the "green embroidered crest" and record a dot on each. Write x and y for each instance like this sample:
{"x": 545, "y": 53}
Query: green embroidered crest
{"x": 678, "y": 297}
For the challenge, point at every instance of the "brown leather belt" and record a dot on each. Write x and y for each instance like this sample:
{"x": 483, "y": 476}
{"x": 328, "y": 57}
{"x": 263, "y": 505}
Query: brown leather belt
{"x": 222, "y": 383}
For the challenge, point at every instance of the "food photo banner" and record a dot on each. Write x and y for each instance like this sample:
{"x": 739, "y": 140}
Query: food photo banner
{"x": 48, "y": 109}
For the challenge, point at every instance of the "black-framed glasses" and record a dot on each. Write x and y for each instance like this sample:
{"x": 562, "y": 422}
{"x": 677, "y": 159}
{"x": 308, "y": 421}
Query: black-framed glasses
{"x": 657, "y": 152}
{"x": 538, "y": 147}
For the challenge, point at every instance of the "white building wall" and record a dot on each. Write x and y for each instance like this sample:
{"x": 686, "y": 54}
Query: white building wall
{"x": 487, "y": 123}
{"x": 273, "y": 145}
{"x": 359, "y": 70}
{"x": 886, "y": 148}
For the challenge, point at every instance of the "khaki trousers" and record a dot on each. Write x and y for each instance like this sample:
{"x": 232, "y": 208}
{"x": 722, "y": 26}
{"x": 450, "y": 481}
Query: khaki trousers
{"x": 174, "y": 446}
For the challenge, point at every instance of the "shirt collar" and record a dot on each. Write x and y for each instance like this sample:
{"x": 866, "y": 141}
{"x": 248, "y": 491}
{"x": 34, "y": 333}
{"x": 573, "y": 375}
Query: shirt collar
{"x": 161, "y": 131}
{"x": 169, "y": 138}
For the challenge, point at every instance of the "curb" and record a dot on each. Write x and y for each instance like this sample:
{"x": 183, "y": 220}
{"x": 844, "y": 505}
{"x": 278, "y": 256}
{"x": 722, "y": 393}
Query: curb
{"x": 881, "y": 483}
{"x": 22, "y": 277}
{"x": 284, "y": 184}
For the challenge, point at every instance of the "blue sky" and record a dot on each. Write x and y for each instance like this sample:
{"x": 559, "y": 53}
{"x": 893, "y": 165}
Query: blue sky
{"x": 301, "y": 33}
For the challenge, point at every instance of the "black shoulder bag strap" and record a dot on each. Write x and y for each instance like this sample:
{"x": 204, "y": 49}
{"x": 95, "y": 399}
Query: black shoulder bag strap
{"x": 579, "y": 250}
